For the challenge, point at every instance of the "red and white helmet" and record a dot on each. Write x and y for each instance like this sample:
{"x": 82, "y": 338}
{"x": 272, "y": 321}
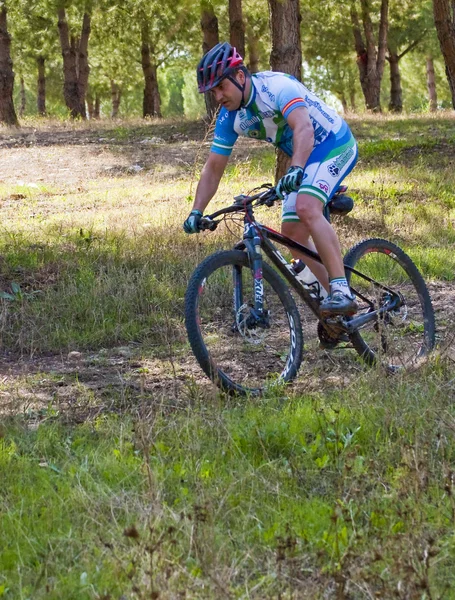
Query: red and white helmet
{"x": 218, "y": 63}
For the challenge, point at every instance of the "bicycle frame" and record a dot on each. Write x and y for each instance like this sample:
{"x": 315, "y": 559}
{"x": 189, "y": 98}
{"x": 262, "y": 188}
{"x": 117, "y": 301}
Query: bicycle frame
{"x": 257, "y": 237}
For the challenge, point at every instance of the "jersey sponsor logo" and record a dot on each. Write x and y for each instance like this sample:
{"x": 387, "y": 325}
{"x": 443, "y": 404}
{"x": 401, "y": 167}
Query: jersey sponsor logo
{"x": 323, "y": 185}
{"x": 255, "y": 119}
{"x": 335, "y": 167}
{"x": 266, "y": 90}
{"x": 320, "y": 108}
{"x": 223, "y": 117}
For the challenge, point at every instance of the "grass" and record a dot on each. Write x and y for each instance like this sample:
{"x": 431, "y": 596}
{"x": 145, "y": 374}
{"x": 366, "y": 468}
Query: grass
{"x": 124, "y": 475}
{"x": 351, "y": 492}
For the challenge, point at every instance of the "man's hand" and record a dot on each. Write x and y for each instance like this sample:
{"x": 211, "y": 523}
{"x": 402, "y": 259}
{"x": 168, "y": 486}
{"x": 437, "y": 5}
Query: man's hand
{"x": 290, "y": 182}
{"x": 191, "y": 225}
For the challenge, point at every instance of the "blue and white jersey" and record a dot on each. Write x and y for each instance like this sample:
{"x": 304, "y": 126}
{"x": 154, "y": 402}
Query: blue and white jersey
{"x": 272, "y": 98}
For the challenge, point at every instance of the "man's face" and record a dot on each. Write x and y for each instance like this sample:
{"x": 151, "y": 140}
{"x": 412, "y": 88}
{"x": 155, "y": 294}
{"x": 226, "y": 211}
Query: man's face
{"x": 227, "y": 94}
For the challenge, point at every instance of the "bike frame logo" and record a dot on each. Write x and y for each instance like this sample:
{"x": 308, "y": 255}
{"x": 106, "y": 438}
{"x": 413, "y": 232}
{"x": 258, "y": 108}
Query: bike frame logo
{"x": 335, "y": 167}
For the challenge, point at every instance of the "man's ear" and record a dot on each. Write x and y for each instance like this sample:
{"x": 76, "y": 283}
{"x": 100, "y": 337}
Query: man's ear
{"x": 241, "y": 77}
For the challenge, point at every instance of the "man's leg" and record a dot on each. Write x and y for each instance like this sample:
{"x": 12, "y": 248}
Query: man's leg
{"x": 298, "y": 232}
{"x": 310, "y": 212}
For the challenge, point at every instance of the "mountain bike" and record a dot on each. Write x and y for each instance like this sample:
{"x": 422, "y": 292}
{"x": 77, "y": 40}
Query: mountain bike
{"x": 243, "y": 323}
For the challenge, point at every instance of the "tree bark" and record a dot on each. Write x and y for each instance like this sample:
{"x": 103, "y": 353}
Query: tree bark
{"x": 444, "y": 19}
{"x": 370, "y": 60}
{"x": 396, "y": 95}
{"x": 210, "y": 38}
{"x": 151, "y": 102}
{"x": 23, "y": 97}
{"x": 41, "y": 97}
{"x": 75, "y": 64}
{"x": 116, "y": 94}
{"x": 286, "y": 54}
{"x": 82, "y": 62}
{"x": 253, "y": 53}
{"x": 97, "y": 107}
{"x": 7, "y": 112}
{"x": 431, "y": 85}
{"x": 236, "y": 26}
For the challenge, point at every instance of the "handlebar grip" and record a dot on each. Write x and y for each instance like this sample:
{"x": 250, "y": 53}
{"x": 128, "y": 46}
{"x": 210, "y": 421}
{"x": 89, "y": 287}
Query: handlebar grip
{"x": 207, "y": 223}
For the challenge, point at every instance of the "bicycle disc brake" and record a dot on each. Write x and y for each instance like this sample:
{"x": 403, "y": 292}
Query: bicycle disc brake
{"x": 251, "y": 334}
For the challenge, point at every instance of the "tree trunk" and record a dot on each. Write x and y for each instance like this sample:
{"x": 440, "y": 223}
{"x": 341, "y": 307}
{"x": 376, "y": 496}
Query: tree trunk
{"x": 286, "y": 55}
{"x": 210, "y": 38}
{"x": 7, "y": 112}
{"x": 151, "y": 102}
{"x": 90, "y": 104}
{"x": 253, "y": 53}
{"x": 444, "y": 19}
{"x": 71, "y": 89}
{"x": 41, "y": 98}
{"x": 22, "y": 96}
{"x": 431, "y": 85}
{"x": 370, "y": 60}
{"x": 83, "y": 69}
{"x": 97, "y": 107}
{"x": 396, "y": 97}
{"x": 116, "y": 94}
{"x": 236, "y": 26}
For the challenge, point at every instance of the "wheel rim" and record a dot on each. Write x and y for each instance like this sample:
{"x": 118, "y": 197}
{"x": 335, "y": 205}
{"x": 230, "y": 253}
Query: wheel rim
{"x": 398, "y": 339}
{"x": 243, "y": 357}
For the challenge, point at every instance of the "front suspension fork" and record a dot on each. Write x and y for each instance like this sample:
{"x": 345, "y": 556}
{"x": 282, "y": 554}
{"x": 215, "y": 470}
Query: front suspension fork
{"x": 257, "y": 316}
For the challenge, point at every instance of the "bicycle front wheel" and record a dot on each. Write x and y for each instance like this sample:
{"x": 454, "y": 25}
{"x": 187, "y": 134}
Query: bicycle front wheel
{"x": 239, "y": 356}
{"x": 401, "y": 337}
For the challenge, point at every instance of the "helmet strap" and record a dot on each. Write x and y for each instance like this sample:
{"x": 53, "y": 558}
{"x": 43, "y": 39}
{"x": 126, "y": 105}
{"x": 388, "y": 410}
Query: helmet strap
{"x": 240, "y": 87}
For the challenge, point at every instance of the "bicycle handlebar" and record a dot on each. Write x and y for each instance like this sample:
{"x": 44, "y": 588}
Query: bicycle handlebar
{"x": 267, "y": 197}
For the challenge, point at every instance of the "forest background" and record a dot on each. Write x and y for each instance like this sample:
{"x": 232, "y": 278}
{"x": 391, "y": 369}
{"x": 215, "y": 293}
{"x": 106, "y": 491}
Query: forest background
{"x": 137, "y": 58}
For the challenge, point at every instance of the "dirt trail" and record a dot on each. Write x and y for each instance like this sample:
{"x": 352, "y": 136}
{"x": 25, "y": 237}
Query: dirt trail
{"x": 88, "y": 382}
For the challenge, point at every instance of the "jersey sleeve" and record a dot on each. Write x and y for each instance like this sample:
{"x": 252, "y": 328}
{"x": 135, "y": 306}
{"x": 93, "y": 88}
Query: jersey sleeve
{"x": 225, "y": 135}
{"x": 290, "y": 96}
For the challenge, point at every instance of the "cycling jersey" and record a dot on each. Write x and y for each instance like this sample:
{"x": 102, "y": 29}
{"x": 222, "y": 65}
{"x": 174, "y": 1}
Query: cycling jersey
{"x": 272, "y": 98}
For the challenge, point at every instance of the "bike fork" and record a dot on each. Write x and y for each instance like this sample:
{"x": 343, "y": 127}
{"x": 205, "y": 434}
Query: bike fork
{"x": 257, "y": 315}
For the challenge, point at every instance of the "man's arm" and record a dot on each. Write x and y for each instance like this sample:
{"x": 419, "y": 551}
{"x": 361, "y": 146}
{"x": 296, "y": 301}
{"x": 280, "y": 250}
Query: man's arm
{"x": 210, "y": 178}
{"x": 303, "y": 136}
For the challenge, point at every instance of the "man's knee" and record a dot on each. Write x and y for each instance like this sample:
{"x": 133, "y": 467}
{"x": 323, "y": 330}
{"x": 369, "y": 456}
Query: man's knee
{"x": 309, "y": 210}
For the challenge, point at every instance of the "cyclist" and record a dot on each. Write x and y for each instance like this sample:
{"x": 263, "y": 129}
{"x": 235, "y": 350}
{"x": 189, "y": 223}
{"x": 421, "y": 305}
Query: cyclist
{"x": 277, "y": 108}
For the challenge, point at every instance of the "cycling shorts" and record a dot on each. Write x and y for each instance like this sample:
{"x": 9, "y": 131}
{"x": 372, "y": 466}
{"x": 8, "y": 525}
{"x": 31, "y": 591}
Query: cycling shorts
{"x": 327, "y": 166}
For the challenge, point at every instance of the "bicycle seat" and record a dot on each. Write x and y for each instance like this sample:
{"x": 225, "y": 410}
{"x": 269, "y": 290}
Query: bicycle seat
{"x": 340, "y": 204}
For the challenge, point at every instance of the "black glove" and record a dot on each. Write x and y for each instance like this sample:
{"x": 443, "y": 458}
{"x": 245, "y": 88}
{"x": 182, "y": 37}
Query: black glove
{"x": 290, "y": 182}
{"x": 191, "y": 225}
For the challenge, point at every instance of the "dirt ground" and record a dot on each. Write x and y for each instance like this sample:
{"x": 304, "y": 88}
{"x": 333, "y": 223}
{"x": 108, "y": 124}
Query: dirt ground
{"x": 87, "y": 383}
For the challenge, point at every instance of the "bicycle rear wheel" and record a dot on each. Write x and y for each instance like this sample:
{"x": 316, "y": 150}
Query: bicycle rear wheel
{"x": 399, "y": 338}
{"x": 237, "y": 356}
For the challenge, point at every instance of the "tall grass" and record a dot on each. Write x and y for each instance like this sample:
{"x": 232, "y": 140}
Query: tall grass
{"x": 124, "y": 475}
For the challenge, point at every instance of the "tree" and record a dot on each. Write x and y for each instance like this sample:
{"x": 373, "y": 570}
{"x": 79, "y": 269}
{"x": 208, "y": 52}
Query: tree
{"x": 370, "y": 57}
{"x": 210, "y": 38}
{"x": 431, "y": 85}
{"x": 236, "y": 26}
{"x": 75, "y": 63}
{"x": 7, "y": 112}
{"x": 409, "y": 23}
{"x": 286, "y": 54}
{"x": 329, "y": 58}
{"x": 444, "y": 19}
